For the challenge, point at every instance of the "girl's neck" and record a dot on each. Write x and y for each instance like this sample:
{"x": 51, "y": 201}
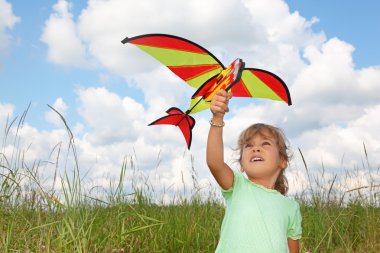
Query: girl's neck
{"x": 268, "y": 183}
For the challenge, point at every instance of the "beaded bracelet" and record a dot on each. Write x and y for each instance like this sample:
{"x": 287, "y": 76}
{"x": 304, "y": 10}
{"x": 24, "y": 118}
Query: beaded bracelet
{"x": 216, "y": 125}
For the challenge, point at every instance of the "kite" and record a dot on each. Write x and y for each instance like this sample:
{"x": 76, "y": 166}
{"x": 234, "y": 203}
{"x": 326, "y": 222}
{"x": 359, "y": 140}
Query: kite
{"x": 203, "y": 71}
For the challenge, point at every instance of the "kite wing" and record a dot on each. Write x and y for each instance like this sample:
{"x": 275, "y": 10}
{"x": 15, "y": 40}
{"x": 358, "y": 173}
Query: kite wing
{"x": 188, "y": 60}
{"x": 180, "y": 119}
{"x": 258, "y": 83}
{"x": 255, "y": 83}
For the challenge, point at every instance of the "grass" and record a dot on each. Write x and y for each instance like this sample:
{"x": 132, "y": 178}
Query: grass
{"x": 66, "y": 217}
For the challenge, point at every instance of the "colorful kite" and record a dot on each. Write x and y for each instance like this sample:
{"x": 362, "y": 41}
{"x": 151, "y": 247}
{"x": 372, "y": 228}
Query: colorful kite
{"x": 202, "y": 70}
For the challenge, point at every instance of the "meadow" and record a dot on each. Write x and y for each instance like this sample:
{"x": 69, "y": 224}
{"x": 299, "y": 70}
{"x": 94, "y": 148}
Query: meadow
{"x": 37, "y": 218}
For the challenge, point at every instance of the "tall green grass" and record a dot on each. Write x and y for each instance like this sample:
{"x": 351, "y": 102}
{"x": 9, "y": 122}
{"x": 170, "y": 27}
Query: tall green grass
{"x": 65, "y": 216}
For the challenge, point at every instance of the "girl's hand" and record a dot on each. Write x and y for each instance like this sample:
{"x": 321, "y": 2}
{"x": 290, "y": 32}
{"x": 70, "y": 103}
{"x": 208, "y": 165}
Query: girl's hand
{"x": 219, "y": 103}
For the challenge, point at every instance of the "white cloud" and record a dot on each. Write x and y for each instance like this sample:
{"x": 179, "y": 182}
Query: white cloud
{"x": 280, "y": 25}
{"x": 24, "y": 144}
{"x": 112, "y": 118}
{"x": 7, "y": 21}
{"x": 60, "y": 34}
{"x": 342, "y": 146}
{"x": 162, "y": 89}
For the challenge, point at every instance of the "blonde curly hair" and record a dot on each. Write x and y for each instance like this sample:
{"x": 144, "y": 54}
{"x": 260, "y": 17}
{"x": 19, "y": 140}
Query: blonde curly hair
{"x": 281, "y": 184}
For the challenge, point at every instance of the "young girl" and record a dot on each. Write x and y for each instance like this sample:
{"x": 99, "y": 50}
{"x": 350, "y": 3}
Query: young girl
{"x": 259, "y": 217}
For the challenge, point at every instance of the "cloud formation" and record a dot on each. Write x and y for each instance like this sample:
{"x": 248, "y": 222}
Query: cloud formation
{"x": 60, "y": 34}
{"x": 334, "y": 103}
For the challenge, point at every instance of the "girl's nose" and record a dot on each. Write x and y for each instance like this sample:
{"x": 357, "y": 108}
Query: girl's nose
{"x": 256, "y": 149}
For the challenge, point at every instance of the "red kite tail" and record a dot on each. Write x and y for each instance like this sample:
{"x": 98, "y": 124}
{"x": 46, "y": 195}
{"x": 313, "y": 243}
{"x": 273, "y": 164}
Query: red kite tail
{"x": 178, "y": 118}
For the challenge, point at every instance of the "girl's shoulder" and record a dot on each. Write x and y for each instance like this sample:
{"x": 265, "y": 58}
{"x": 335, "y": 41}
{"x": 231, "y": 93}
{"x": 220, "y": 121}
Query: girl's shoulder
{"x": 292, "y": 205}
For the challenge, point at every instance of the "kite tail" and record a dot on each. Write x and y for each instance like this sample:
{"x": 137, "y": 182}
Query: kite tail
{"x": 180, "y": 119}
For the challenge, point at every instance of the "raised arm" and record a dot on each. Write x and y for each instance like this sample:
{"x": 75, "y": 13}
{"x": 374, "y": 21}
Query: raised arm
{"x": 215, "y": 149}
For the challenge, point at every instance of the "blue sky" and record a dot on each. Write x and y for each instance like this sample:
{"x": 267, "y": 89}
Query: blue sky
{"x": 357, "y": 22}
{"x": 331, "y": 66}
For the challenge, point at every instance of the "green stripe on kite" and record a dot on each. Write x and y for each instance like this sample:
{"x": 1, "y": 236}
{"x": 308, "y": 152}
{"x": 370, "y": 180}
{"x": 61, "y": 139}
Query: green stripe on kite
{"x": 201, "y": 105}
{"x": 171, "y": 57}
{"x": 257, "y": 88}
{"x": 273, "y": 82}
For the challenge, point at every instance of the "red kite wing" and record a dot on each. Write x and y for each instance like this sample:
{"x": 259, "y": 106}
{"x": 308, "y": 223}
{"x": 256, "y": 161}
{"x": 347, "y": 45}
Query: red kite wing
{"x": 191, "y": 62}
{"x": 180, "y": 119}
{"x": 258, "y": 83}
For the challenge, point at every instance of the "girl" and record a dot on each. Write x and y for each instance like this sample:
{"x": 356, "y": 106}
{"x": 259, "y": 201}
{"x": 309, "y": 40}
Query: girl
{"x": 259, "y": 217}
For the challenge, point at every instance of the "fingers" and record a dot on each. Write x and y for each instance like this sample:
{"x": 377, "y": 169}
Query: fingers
{"x": 219, "y": 103}
{"x": 229, "y": 95}
{"x": 219, "y": 107}
{"x": 222, "y": 95}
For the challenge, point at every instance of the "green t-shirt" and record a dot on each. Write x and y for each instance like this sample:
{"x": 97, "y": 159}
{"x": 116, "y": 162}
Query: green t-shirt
{"x": 257, "y": 219}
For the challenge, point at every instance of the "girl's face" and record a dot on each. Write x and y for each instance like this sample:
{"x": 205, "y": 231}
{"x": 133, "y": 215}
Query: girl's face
{"x": 260, "y": 157}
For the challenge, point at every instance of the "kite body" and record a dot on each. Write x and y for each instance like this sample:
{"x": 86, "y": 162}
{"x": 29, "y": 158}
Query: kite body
{"x": 203, "y": 71}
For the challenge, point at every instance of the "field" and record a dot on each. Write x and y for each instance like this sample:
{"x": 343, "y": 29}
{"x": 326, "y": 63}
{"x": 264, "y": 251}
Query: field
{"x": 34, "y": 218}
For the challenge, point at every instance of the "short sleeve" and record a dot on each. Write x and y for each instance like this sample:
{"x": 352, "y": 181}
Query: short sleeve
{"x": 228, "y": 193}
{"x": 294, "y": 225}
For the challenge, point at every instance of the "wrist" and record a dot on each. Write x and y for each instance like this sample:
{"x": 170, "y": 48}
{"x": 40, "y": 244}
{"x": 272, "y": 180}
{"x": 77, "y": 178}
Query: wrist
{"x": 217, "y": 118}
{"x": 216, "y": 122}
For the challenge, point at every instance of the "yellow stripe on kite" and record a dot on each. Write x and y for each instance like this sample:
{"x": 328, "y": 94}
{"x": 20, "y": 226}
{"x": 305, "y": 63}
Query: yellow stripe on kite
{"x": 172, "y": 57}
{"x": 201, "y": 105}
{"x": 257, "y": 88}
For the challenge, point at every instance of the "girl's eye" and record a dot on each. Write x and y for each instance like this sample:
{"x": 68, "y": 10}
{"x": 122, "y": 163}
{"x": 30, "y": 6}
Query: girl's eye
{"x": 266, "y": 143}
{"x": 247, "y": 145}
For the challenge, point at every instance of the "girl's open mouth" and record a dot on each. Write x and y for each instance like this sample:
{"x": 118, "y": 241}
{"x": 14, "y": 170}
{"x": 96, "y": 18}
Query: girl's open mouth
{"x": 256, "y": 159}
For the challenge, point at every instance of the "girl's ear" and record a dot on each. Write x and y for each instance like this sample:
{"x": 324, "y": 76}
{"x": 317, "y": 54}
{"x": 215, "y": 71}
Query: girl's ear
{"x": 283, "y": 163}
